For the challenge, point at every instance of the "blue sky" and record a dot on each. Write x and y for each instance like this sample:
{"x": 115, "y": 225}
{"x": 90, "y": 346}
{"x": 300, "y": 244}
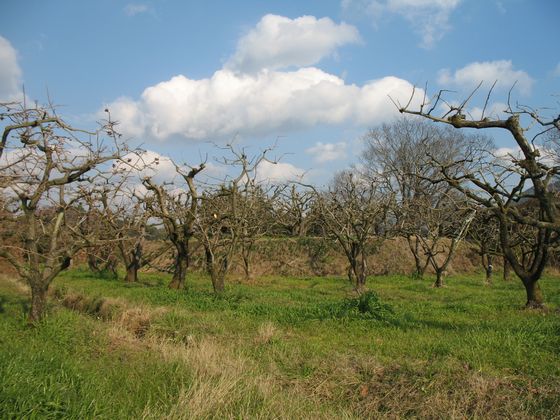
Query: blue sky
{"x": 311, "y": 75}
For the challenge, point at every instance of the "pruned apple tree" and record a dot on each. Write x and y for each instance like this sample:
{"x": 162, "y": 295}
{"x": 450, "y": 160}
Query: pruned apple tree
{"x": 47, "y": 168}
{"x": 520, "y": 188}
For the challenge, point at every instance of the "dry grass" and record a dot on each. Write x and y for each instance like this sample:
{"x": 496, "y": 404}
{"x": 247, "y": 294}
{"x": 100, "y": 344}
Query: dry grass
{"x": 16, "y": 284}
{"x": 266, "y": 333}
{"x": 227, "y": 385}
{"x": 224, "y": 383}
{"x": 375, "y": 391}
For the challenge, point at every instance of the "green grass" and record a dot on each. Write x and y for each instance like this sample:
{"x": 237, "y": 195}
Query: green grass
{"x": 282, "y": 347}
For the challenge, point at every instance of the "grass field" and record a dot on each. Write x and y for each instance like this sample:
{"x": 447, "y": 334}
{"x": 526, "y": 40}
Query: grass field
{"x": 280, "y": 348}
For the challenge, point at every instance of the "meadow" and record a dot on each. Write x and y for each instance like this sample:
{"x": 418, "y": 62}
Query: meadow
{"x": 280, "y": 347}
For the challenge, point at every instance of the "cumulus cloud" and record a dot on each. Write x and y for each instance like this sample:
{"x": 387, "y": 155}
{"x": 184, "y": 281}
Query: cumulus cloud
{"x": 326, "y": 152}
{"x": 254, "y": 104}
{"x": 278, "y": 172}
{"x": 133, "y": 9}
{"x": 253, "y": 94}
{"x": 10, "y": 72}
{"x": 501, "y": 71}
{"x": 128, "y": 115}
{"x": 429, "y": 18}
{"x": 279, "y": 42}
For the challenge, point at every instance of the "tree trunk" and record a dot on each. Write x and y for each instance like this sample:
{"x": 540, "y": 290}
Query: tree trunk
{"x": 38, "y": 303}
{"x": 488, "y": 268}
{"x": 361, "y": 281}
{"x": 179, "y": 269}
{"x": 246, "y": 253}
{"x": 218, "y": 283}
{"x": 216, "y": 269}
{"x": 132, "y": 273}
{"x": 351, "y": 276}
{"x": 358, "y": 273}
{"x": 534, "y": 294}
{"x": 93, "y": 263}
{"x": 415, "y": 251}
{"x": 507, "y": 270}
{"x": 246, "y": 267}
{"x": 439, "y": 279}
{"x": 302, "y": 229}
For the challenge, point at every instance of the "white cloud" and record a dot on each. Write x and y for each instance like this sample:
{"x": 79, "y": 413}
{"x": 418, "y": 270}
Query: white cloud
{"x": 279, "y": 42}
{"x": 429, "y": 18}
{"x": 278, "y": 172}
{"x": 10, "y": 72}
{"x": 326, "y": 152}
{"x": 501, "y": 71}
{"x": 148, "y": 164}
{"x": 161, "y": 169}
{"x": 507, "y": 152}
{"x": 128, "y": 116}
{"x": 508, "y": 155}
{"x": 252, "y": 96}
{"x": 496, "y": 110}
{"x": 133, "y": 9}
{"x": 267, "y": 102}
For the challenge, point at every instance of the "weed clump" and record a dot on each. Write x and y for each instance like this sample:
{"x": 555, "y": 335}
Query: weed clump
{"x": 367, "y": 305}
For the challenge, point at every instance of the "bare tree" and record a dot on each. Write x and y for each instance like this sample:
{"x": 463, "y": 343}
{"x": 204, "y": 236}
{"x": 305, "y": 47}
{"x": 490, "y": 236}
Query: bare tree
{"x": 353, "y": 212}
{"x": 45, "y": 173}
{"x": 483, "y": 234}
{"x": 101, "y": 258}
{"x": 293, "y": 210}
{"x": 255, "y": 219}
{"x": 223, "y": 222}
{"x": 501, "y": 184}
{"x": 441, "y": 223}
{"x": 177, "y": 208}
{"x": 399, "y": 154}
{"x": 125, "y": 219}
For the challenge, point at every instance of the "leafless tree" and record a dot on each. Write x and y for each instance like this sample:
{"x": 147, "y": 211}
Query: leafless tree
{"x": 125, "y": 218}
{"x": 353, "y": 211}
{"x": 101, "y": 258}
{"x": 46, "y": 169}
{"x": 255, "y": 219}
{"x": 483, "y": 234}
{"x": 399, "y": 154}
{"x": 177, "y": 208}
{"x": 441, "y": 223}
{"x": 502, "y": 184}
{"x": 223, "y": 222}
{"x": 292, "y": 210}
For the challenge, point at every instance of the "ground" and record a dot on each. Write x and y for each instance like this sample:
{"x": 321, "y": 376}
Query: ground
{"x": 280, "y": 347}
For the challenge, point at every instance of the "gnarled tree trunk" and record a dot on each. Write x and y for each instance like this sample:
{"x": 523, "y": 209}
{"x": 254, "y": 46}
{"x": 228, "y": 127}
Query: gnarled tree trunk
{"x": 38, "y": 301}
{"x": 216, "y": 272}
{"x": 439, "y": 279}
{"x": 534, "y": 294}
{"x": 507, "y": 270}
{"x": 180, "y": 267}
